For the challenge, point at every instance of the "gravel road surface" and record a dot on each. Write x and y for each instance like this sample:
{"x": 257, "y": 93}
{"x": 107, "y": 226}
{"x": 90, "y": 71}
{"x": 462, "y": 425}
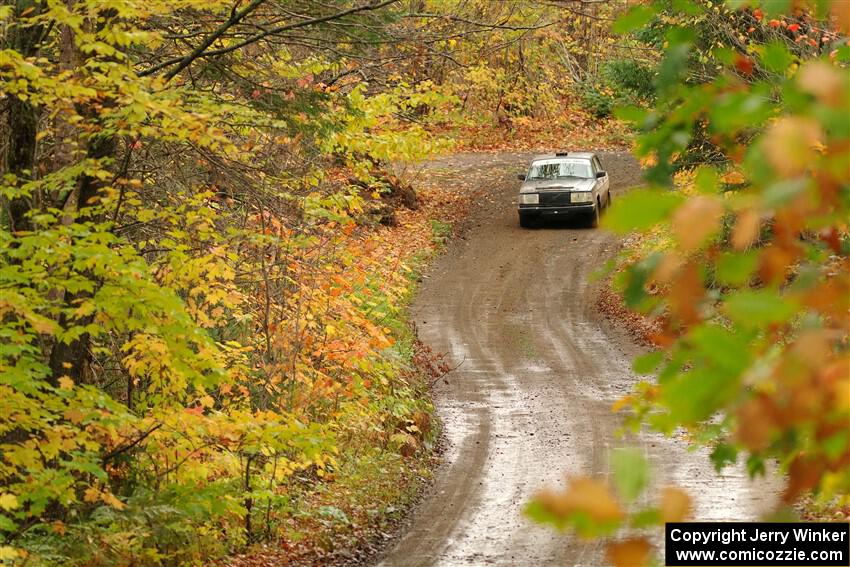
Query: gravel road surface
{"x": 539, "y": 370}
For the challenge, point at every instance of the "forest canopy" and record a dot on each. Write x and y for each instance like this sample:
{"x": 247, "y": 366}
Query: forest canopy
{"x": 203, "y": 274}
{"x": 201, "y": 310}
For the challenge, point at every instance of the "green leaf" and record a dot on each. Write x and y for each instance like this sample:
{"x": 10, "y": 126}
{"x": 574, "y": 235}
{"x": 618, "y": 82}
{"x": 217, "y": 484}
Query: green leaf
{"x": 719, "y": 358}
{"x": 646, "y": 518}
{"x": 755, "y": 466}
{"x": 646, "y": 363}
{"x": 736, "y": 268}
{"x": 688, "y": 7}
{"x": 631, "y": 472}
{"x": 757, "y": 308}
{"x": 776, "y": 57}
{"x": 636, "y": 276}
{"x": 673, "y": 68}
{"x": 706, "y": 180}
{"x": 723, "y": 455}
{"x": 6, "y": 524}
{"x": 835, "y": 445}
{"x": 633, "y": 19}
{"x": 720, "y": 349}
{"x": 697, "y": 394}
{"x": 641, "y": 209}
{"x": 537, "y": 512}
{"x": 776, "y": 7}
{"x": 781, "y": 193}
{"x": 633, "y": 114}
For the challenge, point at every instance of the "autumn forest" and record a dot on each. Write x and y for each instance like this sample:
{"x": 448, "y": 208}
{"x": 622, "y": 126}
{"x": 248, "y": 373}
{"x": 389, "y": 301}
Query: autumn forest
{"x": 215, "y": 215}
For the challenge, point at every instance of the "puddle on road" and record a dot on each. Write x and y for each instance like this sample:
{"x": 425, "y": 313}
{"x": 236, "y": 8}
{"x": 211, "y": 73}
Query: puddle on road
{"x": 520, "y": 461}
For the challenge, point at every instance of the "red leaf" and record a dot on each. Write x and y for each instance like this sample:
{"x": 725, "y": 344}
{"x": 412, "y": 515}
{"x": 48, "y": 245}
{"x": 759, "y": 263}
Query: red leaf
{"x": 744, "y": 65}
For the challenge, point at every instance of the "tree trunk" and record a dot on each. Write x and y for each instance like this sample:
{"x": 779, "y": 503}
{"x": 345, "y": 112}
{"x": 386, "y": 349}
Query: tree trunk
{"x": 23, "y": 121}
{"x": 70, "y": 359}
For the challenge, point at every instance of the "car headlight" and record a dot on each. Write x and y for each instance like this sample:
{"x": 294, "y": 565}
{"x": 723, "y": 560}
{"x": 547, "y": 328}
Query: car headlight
{"x": 582, "y": 197}
{"x": 529, "y": 199}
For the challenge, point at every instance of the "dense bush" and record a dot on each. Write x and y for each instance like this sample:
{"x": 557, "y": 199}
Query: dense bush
{"x": 619, "y": 83}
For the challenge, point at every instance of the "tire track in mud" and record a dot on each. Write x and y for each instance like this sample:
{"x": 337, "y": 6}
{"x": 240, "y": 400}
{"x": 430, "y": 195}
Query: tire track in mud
{"x": 531, "y": 400}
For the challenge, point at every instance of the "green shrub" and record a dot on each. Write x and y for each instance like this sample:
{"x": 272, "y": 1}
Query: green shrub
{"x": 618, "y": 83}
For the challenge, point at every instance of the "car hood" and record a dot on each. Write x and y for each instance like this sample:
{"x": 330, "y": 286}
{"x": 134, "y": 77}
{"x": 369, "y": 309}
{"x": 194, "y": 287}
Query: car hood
{"x": 563, "y": 184}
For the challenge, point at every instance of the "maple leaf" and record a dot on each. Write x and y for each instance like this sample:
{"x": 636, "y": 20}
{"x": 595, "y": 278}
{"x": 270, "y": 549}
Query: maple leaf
{"x": 675, "y": 505}
{"x": 633, "y": 552}
{"x": 8, "y": 501}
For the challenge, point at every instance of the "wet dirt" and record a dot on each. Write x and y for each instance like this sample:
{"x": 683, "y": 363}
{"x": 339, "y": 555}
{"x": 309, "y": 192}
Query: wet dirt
{"x": 538, "y": 371}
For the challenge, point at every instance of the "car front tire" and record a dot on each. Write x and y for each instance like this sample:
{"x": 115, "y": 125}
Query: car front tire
{"x": 593, "y": 219}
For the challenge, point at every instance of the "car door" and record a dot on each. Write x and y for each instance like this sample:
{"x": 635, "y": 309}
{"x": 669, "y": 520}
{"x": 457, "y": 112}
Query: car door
{"x": 598, "y": 183}
{"x": 606, "y": 182}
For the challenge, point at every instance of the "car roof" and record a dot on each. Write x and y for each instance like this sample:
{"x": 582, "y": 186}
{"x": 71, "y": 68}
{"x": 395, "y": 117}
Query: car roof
{"x": 567, "y": 155}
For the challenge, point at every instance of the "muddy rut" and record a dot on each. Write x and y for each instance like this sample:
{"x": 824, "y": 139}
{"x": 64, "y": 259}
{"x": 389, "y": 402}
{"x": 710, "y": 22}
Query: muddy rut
{"x": 531, "y": 399}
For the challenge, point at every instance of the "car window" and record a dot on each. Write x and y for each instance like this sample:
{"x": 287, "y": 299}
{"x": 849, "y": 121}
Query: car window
{"x": 597, "y": 164}
{"x": 555, "y": 169}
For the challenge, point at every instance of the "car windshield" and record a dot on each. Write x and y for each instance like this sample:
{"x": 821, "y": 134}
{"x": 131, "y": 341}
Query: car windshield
{"x": 557, "y": 169}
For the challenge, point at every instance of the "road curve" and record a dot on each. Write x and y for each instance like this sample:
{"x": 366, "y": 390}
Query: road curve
{"x": 539, "y": 370}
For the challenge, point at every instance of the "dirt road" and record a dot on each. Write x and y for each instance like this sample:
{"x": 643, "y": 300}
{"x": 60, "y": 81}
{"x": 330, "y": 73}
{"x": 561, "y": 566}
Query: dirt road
{"x": 531, "y": 400}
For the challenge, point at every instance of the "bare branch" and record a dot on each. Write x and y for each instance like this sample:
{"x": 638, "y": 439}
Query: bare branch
{"x": 200, "y": 51}
{"x": 183, "y": 62}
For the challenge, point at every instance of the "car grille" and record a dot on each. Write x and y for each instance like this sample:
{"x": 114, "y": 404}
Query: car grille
{"x": 553, "y": 199}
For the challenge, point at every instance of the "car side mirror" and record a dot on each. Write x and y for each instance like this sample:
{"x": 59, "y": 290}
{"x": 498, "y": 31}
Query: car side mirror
{"x": 520, "y": 176}
{"x": 601, "y": 174}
